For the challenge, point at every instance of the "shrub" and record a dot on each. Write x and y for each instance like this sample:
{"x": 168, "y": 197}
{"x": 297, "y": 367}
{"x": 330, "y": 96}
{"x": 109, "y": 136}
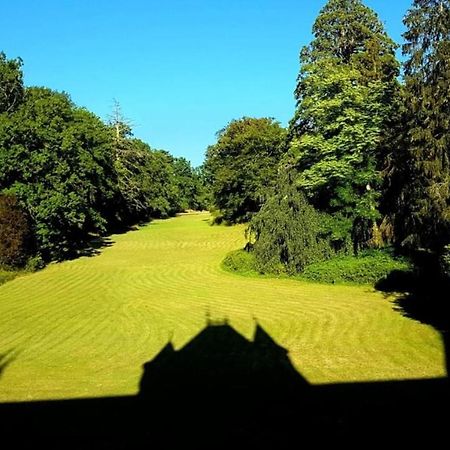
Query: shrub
{"x": 240, "y": 261}
{"x": 6, "y": 276}
{"x": 367, "y": 268}
{"x": 15, "y": 232}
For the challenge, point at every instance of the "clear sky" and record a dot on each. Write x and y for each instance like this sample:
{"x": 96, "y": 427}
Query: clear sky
{"x": 181, "y": 69}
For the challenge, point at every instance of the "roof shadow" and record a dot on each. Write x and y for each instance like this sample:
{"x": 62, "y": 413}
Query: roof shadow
{"x": 222, "y": 390}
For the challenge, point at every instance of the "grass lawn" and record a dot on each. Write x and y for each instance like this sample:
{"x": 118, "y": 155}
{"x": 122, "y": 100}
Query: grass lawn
{"x": 84, "y": 328}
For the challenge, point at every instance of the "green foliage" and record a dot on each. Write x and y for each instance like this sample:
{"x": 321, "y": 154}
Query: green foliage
{"x": 345, "y": 95}
{"x": 57, "y": 160}
{"x": 445, "y": 262}
{"x": 286, "y": 233}
{"x": 191, "y": 185}
{"x": 15, "y": 233}
{"x": 242, "y": 166}
{"x": 6, "y": 275}
{"x": 11, "y": 84}
{"x": 74, "y": 175}
{"x": 367, "y": 268}
{"x": 241, "y": 262}
{"x": 349, "y": 31}
{"x": 146, "y": 181}
{"x": 423, "y": 201}
{"x": 337, "y": 160}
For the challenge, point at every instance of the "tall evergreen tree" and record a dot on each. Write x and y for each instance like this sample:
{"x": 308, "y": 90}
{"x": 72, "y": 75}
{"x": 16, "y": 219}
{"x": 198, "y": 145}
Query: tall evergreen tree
{"x": 424, "y": 164}
{"x": 345, "y": 97}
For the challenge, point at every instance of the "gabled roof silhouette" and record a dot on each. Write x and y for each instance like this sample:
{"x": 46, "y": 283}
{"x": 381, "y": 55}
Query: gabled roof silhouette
{"x": 220, "y": 360}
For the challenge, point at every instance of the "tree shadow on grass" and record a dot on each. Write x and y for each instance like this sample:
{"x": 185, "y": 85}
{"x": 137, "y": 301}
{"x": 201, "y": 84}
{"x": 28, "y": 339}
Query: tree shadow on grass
{"x": 423, "y": 294}
{"x": 95, "y": 245}
{"x": 222, "y": 390}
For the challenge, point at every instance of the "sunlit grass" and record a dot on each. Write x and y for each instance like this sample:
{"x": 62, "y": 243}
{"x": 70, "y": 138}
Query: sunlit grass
{"x": 85, "y": 327}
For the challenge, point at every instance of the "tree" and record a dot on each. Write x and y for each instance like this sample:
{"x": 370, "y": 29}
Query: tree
{"x": 57, "y": 160}
{"x": 286, "y": 234}
{"x": 423, "y": 203}
{"x": 11, "y": 84}
{"x": 345, "y": 97}
{"x": 192, "y": 191}
{"x": 242, "y": 165}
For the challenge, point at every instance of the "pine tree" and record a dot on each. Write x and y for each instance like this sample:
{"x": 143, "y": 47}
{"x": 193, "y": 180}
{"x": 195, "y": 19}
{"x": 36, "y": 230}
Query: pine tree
{"x": 424, "y": 200}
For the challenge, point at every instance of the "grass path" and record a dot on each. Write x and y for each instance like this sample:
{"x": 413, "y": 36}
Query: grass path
{"x": 84, "y": 328}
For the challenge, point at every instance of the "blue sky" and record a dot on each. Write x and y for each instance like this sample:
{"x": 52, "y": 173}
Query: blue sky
{"x": 181, "y": 69}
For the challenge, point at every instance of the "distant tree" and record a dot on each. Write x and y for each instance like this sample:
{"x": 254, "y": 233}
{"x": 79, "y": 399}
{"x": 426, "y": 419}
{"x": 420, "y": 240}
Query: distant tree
{"x": 345, "y": 95}
{"x": 189, "y": 184}
{"x": 146, "y": 181}
{"x": 11, "y": 83}
{"x": 15, "y": 233}
{"x": 161, "y": 185}
{"x": 423, "y": 162}
{"x": 203, "y": 198}
{"x": 242, "y": 166}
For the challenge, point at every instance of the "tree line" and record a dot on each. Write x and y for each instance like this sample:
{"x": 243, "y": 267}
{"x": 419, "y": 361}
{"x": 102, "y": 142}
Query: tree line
{"x": 364, "y": 162}
{"x": 66, "y": 176}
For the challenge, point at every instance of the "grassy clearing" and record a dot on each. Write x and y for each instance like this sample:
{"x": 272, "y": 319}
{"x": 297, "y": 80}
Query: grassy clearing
{"x": 85, "y": 327}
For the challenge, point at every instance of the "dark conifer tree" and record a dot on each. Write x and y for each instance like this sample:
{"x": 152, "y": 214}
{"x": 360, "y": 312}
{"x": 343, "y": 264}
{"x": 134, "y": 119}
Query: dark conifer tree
{"x": 423, "y": 165}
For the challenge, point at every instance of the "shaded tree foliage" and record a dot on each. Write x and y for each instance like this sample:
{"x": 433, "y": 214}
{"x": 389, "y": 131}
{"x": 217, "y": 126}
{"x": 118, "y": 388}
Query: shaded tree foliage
{"x": 15, "y": 233}
{"x": 242, "y": 166}
{"x": 56, "y": 159}
{"x": 422, "y": 164}
{"x": 286, "y": 234}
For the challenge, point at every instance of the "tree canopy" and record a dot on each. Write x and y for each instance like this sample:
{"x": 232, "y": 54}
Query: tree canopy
{"x": 11, "y": 83}
{"x": 243, "y": 165}
{"x": 345, "y": 96}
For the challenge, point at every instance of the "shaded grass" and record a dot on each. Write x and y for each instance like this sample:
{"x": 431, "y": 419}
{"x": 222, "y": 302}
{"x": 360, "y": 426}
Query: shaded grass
{"x": 7, "y": 275}
{"x": 86, "y": 327}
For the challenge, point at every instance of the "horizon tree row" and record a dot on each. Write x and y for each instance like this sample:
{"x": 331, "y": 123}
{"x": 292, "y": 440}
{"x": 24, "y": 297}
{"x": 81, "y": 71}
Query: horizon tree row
{"x": 66, "y": 175}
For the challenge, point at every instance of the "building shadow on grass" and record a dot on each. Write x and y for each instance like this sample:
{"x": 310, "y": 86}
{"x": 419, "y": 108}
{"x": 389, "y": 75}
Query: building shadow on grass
{"x": 222, "y": 390}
